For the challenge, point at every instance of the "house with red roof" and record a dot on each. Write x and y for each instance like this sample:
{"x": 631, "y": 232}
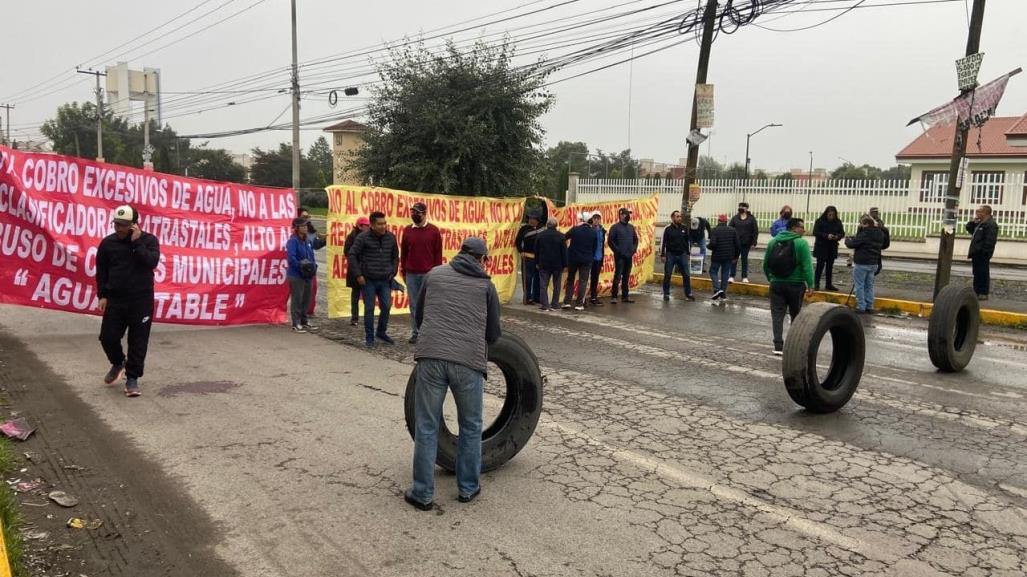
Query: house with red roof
{"x": 996, "y": 165}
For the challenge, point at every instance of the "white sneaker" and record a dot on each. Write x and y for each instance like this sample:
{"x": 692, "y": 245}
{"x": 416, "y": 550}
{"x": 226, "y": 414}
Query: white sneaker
{"x": 299, "y": 329}
{"x": 730, "y": 279}
{"x": 778, "y": 353}
{"x": 579, "y": 308}
{"x": 745, "y": 280}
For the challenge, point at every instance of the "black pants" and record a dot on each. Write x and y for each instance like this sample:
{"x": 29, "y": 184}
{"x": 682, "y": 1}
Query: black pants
{"x": 136, "y": 316}
{"x": 784, "y": 297}
{"x": 982, "y": 275}
{"x": 593, "y": 285}
{"x": 621, "y": 275}
{"x": 824, "y": 266}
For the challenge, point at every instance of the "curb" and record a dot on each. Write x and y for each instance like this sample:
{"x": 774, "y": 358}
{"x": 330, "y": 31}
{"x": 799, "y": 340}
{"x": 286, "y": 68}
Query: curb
{"x": 915, "y": 308}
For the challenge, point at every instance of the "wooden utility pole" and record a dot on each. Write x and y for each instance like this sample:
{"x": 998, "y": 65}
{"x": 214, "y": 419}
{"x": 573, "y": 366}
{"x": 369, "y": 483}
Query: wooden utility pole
{"x": 709, "y": 21}
{"x": 948, "y": 229}
{"x": 295, "y": 112}
{"x": 99, "y": 112}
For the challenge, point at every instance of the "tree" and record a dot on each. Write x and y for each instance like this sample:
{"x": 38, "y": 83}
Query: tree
{"x": 898, "y": 172}
{"x": 557, "y": 163}
{"x": 215, "y": 164}
{"x": 709, "y": 168}
{"x": 784, "y": 176}
{"x": 760, "y": 174}
{"x": 735, "y": 171}
{"x": 320, "y": 156}
{"x": 461, "y": 122}
{"x": 274, "y": 168}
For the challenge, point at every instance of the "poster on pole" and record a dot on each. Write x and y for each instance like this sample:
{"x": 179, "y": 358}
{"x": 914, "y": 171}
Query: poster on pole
{"x": 704, "y": 105}
{"x": 222, "y": 244}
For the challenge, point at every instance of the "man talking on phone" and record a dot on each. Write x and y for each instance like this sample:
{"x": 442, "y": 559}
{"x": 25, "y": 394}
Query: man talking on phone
{"x": 124, "y": 281}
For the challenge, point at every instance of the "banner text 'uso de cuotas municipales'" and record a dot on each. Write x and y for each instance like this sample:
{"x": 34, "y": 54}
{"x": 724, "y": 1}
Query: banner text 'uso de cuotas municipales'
{"x": 222, "y": 244}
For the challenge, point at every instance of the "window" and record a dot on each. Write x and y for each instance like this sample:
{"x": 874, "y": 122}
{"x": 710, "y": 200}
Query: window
{"x": 933, "y": 186}
{"x": 986, "y": 187}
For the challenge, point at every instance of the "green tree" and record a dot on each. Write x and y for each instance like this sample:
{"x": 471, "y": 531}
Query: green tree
{"x": 215, "y": 164}
{"x": 320, "y": 156}
{"x": 735, "y": 171}
{"x": 557, "y": 162}
{"x": 709, "y": 168}
{"x": 760, "y": 174}
{"x": 274, "y": 168}
{"x": 784, "y": 176}
{"x": 461, "y": 122}
{"x": 898, "y": 172}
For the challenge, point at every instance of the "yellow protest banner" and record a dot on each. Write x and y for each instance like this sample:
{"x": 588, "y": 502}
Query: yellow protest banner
{"x": 495, "y": 220}
{"x": 643, "y": 217}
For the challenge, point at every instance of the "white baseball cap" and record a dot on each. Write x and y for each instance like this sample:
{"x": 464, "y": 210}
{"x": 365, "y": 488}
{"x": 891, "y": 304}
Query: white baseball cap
{"x": 124, "y": 213}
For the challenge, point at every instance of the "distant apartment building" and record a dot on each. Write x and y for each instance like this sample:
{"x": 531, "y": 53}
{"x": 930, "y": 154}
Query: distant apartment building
{"x": 347, "y": 138}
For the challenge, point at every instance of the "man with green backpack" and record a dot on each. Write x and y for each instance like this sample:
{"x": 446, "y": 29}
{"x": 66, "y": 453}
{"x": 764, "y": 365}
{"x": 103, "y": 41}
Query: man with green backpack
{"x": 788, "y": 265}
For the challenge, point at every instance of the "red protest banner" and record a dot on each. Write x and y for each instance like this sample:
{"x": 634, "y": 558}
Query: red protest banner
{"x": 222, "y": 244}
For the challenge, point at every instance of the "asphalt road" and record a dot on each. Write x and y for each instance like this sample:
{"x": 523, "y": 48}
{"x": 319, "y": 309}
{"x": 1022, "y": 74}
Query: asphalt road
{"x": 668, "y": 446}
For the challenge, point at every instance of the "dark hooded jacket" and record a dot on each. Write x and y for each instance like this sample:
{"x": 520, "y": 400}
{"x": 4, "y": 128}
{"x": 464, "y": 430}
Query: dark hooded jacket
{"x": 867, "y": 245}
{"x": 459, "y": 314}
{"x": 551, "y": 250}
{"x": 823, "y": 247}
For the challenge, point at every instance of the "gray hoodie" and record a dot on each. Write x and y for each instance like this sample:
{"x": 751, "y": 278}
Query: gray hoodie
{"x": 459, "y": 314}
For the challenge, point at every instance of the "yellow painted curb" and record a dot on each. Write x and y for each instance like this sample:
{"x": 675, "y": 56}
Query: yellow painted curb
{"x": 988, "y": 316}
{"x": 5, "y": 564}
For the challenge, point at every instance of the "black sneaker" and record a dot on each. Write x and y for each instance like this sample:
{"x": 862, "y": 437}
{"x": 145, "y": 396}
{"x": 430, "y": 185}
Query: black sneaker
{"x": 369, "y": 343}
{"x": 114, "y": 374}
{"x": 413, "y": 340}
{"x": 409, "y": 498}
{"x": 831, "y": 288}
{"x": 468, "y": 498}
{"x": 689, "y": 298}
{"x": 385, "y": 339}
{"x": 353, "y": 322}
{"x": 666, "y": 297}
{"x": 132, "y": 387}
{"x": 627, "y": 300}
{"x": 310, "y": 327}
{"x": 595, "y": 303}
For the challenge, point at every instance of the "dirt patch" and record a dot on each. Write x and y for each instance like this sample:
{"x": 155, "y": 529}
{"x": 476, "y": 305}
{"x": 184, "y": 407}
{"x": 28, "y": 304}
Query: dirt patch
{"x": 197, "y": 388}
{"x": 143, "y": 524}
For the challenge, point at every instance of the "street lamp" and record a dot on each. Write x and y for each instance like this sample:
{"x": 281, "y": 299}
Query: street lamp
{"x": 747, "y": 137}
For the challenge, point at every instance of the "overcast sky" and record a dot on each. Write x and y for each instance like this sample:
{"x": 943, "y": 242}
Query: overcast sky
{"x": 842, "y": 90}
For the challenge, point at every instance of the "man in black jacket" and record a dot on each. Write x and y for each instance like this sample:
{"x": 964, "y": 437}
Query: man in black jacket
{"x": 551, "y": 258}
{"x": 866, "y": 246}
{"x": 724, "y": 248}
{"x": 375, "y": 254}
{"x": 828, "y": 231}
{"x": 525, "y": 243}
{"x": 674, "y": 252}
{"x": 124, "y": 282}
{"x": 983, "y": 237}
{"x": 581, "y": 246}
{"x": 748, "y": 233}
{"x": 623, "y": 241}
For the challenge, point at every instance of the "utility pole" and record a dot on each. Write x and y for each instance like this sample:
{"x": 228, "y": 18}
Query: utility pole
{"x": 948, "y": 229}
{"x": 295, "y": 111}
{"x": 7, "y": 140}
{"x": 147, "y": 150}
{"x": 809, "y": 185}
{"x": 709, "y": 19}
{"x": 99, "y": 112}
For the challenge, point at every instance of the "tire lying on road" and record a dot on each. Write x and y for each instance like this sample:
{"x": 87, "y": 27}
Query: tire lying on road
{"x": 799, "y": 364}
{"x": 516, "y": 421}
{"x": 952, "y": 330}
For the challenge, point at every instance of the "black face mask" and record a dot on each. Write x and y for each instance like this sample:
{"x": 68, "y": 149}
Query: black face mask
{"x": 741, "y": 211}
{"x": 786, "y": 215}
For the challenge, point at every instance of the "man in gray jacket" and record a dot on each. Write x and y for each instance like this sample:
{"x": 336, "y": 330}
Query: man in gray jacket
{"x": 458, "y": 319}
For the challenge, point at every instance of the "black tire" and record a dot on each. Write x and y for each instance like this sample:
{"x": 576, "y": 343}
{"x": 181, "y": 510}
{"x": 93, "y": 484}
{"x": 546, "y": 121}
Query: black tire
{"x": 799, "y": 365}
{"x": 516, "y": 421}
{"x": 953, "y": 328}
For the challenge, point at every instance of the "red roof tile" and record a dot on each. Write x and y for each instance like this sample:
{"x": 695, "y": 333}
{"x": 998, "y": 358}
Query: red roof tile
{"x": 1020, "y": 128}
{"x": 347, "y": 126}
{"x": 937, "y": 142}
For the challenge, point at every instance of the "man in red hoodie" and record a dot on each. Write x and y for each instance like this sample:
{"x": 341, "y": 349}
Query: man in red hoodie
{"x": 420, "y": 250}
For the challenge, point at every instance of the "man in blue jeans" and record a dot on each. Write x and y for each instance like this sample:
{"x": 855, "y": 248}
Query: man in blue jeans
{"x": 674, "y": 250}
{"x": 375, "y": 254}
{"x": 458, "y": 319}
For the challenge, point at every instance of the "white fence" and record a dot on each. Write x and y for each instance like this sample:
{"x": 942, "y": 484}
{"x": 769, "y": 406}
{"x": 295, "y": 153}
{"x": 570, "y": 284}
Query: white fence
{"x": 911, "y": 212}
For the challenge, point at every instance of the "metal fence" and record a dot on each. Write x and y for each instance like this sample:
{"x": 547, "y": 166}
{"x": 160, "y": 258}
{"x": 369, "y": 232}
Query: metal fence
{"x": 912, "y": 211}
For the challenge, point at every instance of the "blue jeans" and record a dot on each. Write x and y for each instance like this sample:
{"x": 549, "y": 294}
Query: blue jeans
{"x": 414, "y": 282}
{"x": 680, "y": 261}
{"x": 530, "y": 280}
{"x": 863, "y": 279}
{"x": 382, "y": 289}
{"x": 434, "y": 377}
{"x": 744, "y": 259}
{"x": 721, "y": 269}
